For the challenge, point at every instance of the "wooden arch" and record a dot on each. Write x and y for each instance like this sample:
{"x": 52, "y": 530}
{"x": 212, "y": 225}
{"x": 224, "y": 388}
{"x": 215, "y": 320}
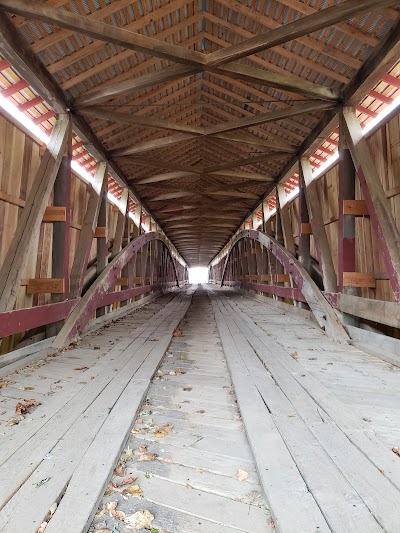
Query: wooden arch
{"x": 323, "y": 311}
{"x": 97, "y": 295}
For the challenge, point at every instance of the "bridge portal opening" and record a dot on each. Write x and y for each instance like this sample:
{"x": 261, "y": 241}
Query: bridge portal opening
{"x": 198, "y": 275}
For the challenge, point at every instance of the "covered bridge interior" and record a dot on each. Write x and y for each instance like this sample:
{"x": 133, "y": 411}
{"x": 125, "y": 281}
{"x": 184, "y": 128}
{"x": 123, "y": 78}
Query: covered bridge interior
{"x": 259, "y": 139}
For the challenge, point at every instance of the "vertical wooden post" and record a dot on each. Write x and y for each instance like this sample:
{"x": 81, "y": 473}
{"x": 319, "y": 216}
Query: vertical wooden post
{"x": 347, "y": 223}
{"x": 304, "y": 223}
{"x": 32, "y": 215}
{"x": 84, "y": 246}
{"x": 280, "y": 239}
{"x": 121, "y": 222}
{"x": 138, "y": 217}
{"x": 386, "y": 231}
{"x": 265, "y": 215}
{"x": 62, "y": 230}
{"x": 286, "y": 224}
{"x": 102, "y": 242}
{"x": 318, "y": 228}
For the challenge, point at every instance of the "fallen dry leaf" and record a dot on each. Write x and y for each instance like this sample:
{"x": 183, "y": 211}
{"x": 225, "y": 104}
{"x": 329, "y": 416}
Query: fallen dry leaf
{"x": 183, "y": 357}
{"x": 81, "y": 368}
{"x": 163, "y": 431}
{"x": 134, "y": 490}
{"x": 179, "y": 372}
{"x": 109, "y": 508}
{"x": 26, "y": 388}
{"x": 140, "y": 520}
{"x": 119, "y": 470}
{"x": 242, "y": 475}
{"x": 396, "y": 451}
{"x": 148, "y": 457}
{"x": 295, "y": 355}
{"x": 127, "y": 481}
{"x": 187, "y": 389}
{"x": 22, "y": 407}
{"x": 177, "y": 333}
{"x": 142, "y": 449}
{"x": 166, "y": 459}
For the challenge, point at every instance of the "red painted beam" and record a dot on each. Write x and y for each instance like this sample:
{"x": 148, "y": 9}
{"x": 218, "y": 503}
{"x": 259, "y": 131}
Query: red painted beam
{"x": 381, "y": 97}
{"x": 31, "y": 103}
{"x": 79, "y": 155}
{"x": 4, "y": 64}
{"x": 22, "y": 84}
{"x": 282, "y": 292}
{"x": 366, "y": 111}
{"x": 77, "y": 145}
{"x": 21, "y": 320}
{"x": 391, "y": 80}
{"x": 43, "y": 118}
{"x": 120, "y": 296}
{"x": 97, "y": 294}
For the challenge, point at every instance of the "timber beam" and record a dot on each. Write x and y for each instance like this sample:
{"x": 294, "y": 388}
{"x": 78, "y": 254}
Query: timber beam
{"x": 32, "y": 214}
{"x": 378, "y": 205}
{"x": 384, "y": 56}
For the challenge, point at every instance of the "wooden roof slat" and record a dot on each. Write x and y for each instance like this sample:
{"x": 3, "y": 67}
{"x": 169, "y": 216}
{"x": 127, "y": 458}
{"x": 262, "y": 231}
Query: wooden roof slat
{"x": 269, "y": 23}
{"x": 95, "y": 29}
{"x": 298, "y": 28}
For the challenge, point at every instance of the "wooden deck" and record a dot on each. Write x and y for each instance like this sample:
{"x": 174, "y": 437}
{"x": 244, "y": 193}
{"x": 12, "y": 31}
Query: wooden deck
{"x": 254, "y": 422}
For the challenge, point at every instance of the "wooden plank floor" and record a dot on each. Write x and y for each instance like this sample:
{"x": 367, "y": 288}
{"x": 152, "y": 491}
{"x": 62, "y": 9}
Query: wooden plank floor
{"x": 79, "y": 392}
{"x": 366, "y": 384}
{"x": 255, "y": 422}
{"x": 343, "y": 454}
{"x": 203, "y": 479}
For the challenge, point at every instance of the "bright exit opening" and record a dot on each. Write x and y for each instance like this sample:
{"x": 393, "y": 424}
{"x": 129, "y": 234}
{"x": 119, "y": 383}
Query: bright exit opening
{"x": 198, "y": 275}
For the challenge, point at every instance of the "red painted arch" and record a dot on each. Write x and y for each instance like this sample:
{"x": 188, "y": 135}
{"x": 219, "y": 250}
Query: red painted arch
{"x": 323, "y": 311}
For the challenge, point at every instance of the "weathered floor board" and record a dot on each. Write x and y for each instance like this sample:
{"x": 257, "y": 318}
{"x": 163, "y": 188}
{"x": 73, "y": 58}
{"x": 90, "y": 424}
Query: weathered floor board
{"x": 351, "y": 473}
{"x": 40, "y": 456}
{"x": 255, "y": 422}
{"x": 191, "y": 422}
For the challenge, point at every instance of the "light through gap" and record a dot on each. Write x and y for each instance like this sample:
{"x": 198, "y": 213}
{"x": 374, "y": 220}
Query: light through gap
{"x": 198, "y": 275}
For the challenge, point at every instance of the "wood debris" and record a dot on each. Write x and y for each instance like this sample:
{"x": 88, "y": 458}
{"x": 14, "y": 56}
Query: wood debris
{"x": 242, "y": 475}
{"x": 6, "y": 383}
